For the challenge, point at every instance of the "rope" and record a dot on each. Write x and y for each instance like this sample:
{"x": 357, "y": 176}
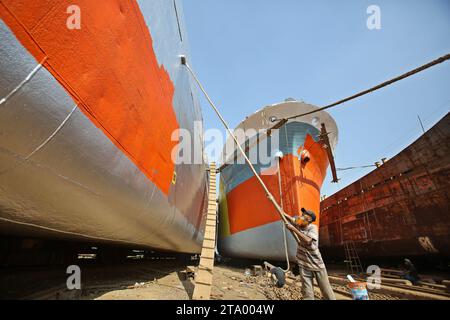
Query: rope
{"x": 247, "y": 160}
{"x": 351, "y": 168}
{"x": 286, "y": 250}
{"x": 377, "y": 87}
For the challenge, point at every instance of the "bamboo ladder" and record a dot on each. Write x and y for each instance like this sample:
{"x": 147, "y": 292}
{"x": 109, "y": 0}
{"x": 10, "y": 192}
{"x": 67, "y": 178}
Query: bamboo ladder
{"x": 203, "y": 278}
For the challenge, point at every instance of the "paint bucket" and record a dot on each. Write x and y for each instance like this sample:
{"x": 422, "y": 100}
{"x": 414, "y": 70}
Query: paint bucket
{"x": 359, "y": 290}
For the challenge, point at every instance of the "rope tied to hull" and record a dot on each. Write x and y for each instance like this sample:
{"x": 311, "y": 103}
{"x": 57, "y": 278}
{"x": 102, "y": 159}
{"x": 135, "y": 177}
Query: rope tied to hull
{"x": 286, "y": 249}
{"x": 280, "y": 123}
{"x": 269, "y": 195}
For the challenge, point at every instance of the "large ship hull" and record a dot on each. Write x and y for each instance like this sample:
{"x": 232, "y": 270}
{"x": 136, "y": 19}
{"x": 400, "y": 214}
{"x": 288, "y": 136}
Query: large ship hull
{"x": 249, "y": 224}
{"x": 400, "y": 209}
{"x": 88, "y": 124}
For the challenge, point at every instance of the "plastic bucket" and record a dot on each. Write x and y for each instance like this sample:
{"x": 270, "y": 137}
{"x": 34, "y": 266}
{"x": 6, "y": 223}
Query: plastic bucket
{"x": 359, "y": 290}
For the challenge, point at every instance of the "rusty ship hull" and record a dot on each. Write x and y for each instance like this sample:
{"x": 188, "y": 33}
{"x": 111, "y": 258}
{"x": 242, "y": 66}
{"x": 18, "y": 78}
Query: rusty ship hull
{"x": 92, "y": 95}
{"x": 400, "y": 209}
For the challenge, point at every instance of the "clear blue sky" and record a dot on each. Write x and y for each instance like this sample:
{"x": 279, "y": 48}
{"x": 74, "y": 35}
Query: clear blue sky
{"x": 252, "y": 53}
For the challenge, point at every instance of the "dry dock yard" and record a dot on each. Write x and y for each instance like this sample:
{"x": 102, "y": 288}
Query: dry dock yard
{"x": 107, "y": 193}
{"x": 172, "y": 279}
{"x": 36, "y": 270}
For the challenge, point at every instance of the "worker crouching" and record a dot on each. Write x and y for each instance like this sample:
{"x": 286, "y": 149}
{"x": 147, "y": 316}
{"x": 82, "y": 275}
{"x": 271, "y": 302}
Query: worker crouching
{"x": 309, "y": 258}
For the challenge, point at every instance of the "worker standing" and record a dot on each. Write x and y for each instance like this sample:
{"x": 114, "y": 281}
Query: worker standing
{"x": 309, "y": 258}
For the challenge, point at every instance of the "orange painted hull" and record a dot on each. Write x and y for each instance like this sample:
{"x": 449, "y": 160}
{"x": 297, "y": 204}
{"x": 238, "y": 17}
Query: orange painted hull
{"x": 88, "y": 124}
{"x": 300, "y": 187}
{"x": 113, "y": 66}
{"x": 250, "y": 224}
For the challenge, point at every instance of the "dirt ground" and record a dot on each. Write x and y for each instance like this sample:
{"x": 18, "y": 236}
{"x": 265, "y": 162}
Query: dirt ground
{"x": 154, "y": 280}
{"x": 229, "y": 283}
{"x": 143, "y": 280}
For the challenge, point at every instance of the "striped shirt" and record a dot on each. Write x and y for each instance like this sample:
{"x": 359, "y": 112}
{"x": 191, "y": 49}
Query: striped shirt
{"x": 309, "y": 257}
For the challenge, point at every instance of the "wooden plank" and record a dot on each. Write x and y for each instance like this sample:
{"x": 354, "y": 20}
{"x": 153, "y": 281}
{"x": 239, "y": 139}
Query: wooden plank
{"x": 210, "y": 234}
{"x": 211, "y": 223}
{"x": 206, "y": 263}
{"x": 210, "y": 244}
{"x": 202, "y": 292}
{"x": 208, "y": 253}
{"x": 203, "y": 278}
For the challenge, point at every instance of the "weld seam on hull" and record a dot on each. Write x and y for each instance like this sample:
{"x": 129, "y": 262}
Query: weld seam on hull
{"x": 41, "y": 166}
{"x": 27, "y": 78}
{"x": 53, "y": 134}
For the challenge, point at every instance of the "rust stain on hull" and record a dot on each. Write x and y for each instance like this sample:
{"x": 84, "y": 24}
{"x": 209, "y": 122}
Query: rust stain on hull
{"x": 401, "y": 208}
